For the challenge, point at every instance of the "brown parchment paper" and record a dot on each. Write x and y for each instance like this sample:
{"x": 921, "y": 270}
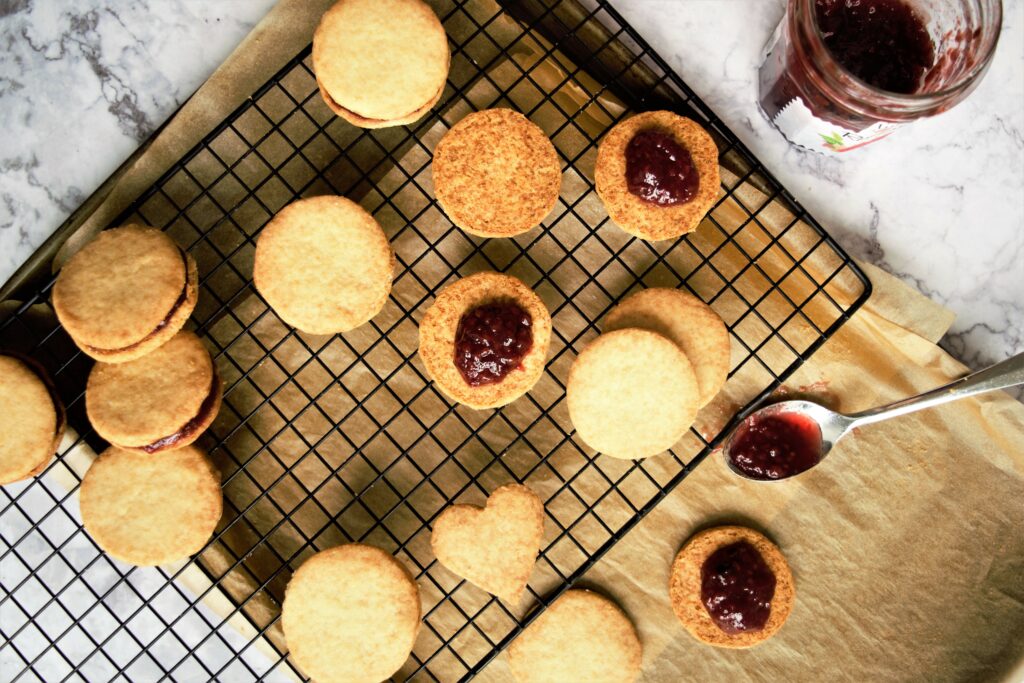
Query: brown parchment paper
{"x": 906, "y": 544}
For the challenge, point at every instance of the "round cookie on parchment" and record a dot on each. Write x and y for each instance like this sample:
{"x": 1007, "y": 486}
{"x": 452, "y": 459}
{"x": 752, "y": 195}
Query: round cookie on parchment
{"x": 440, "y": 325}
{"x": 496, "y": 174}
{"x": 351, "y": 614}
{"x": 688, "y": 322}
{"x": 685, "y": 586}
{"x": 324, "y": 265}
{"x": 582, "y": 636}
{"x": 147, "y": 509}
{"x": 631, "y": 213}
{"x": 162, "y": 401}
{"x": 125, "y": 293}
{"x": 380, "y": 63}
{"x": 632, "y": 394}
{"x": 31, "y": 418}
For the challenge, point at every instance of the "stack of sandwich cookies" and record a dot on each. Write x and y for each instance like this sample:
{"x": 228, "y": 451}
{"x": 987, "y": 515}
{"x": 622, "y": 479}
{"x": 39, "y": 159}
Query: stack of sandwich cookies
{"x": 125, "y": 293}
{"x": 32, "y": 418}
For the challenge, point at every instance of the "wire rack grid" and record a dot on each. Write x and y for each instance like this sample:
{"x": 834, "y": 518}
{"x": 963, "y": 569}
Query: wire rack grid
{"x": 327, "y": 440}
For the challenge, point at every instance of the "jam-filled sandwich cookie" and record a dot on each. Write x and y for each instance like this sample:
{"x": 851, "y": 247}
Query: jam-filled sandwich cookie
{"x": 350, "y": 615}
{"x": 126, "y": 293}
{"x": 31, "y": 418}
{"x": 151, "y": 509}
{"x": 324, "y": 265}
{"x": 582, "y": 636}
{"x": 162, "y": 401}
{"x": 496, "y": 174}
{"x": 485, "y": 339}
{"x": 380, "y": 63}
{"x": 657, "y": 174}
{"x": 731, "y": 587}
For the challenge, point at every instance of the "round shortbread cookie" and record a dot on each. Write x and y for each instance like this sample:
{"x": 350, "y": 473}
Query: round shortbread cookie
{"x": 441, "y": 322}
{"x": 634, "y": 215}
{"x": 685, "y": 582}
{"x": 583, "y": 636}
{"x": 632, "y": 394}
{"x": 324, "y": 265}
{"x": 31, "y": 419}
{"x": 162, "y": 401}
{"x": 126, "y": 293}
{"x": 496, "y": 174}
{"x": 380, "y": 62}
{"x": 688, "y": 322}
{"x": 151, "y": 509}
{"x": 351, "y": 614}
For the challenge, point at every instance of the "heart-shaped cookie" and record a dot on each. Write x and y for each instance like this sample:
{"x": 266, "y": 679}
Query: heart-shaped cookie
{"x": 494, "y": 547}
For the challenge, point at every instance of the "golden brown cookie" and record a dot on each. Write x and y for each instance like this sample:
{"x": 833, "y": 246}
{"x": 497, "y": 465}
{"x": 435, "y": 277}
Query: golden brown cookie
{"x": 494, "y": 547}
{"x": 162, "y": 401}
{"x": 632, "y": 394}
{"x": 31, "y": 418}
{"x": 496, "y": 174}
{"x": 126, "y": 293}
{"x": 324, "y": 265}
{"x": 581, "y": 637}
{"x": 380, "y": 62}
{"x": 351, "y": 615}
{"x": 686, "y": 320}
{"x": 636, "y": 216}
{"x": 440, "y": 327}
{"x": 685, "y": 586}
{"x": 151, "y": 509}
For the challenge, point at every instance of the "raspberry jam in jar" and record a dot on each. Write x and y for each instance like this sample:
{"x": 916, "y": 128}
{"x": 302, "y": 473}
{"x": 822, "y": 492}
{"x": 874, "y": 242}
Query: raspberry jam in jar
{"x": 840, "y": 74}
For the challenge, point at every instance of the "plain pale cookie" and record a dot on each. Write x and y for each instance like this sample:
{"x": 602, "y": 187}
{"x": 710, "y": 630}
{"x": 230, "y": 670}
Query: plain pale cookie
{"x": 126, "y": 293}
{"x": 151, "y": 509}
{"x": 636, "y": 216}
{"x": 496, "y": 174}
{"x": 162, "y": 401}
{"x": 351, "y": 615}
{"x": 685, "y": 585}
{"x": 380, "y": 62}
{"x": 440, "y": 324}
{"x": 688, "y": 322}
{"x": 324, "y": 265}
{"x": 632, "y": 394}
{"x": 581, "y": 637}
{"x": 494, "y": 547}
{"x": 31, "y": 419}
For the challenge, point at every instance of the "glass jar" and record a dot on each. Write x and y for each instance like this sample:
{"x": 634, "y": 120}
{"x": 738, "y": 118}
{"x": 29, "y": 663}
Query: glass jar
{"x": 817, "y": 103}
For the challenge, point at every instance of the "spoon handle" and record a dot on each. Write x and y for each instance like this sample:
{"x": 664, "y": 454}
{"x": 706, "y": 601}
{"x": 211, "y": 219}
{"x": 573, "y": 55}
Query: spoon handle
{"x": 1008, "y": 373}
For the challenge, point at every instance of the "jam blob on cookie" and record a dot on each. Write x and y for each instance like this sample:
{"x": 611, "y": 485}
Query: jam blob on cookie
{"x": 492, "y": 341}
{"x": 659, "y": 170}
{"x": 737, "y": 587}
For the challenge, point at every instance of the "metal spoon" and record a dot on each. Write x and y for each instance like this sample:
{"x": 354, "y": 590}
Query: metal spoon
{"x": 834, "y": 426}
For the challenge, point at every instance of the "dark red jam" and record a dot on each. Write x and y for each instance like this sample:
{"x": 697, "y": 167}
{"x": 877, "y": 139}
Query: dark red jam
{"x": 659, "y": 170}
{"x": 776, "y": 446}
{"x": 882, "y": 42}
{"x": 491, "y": 341}
{"x": 736, "y": 588}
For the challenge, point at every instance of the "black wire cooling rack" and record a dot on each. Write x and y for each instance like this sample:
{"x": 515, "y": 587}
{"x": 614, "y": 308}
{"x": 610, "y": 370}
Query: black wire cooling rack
{"x": 327, "y": 440}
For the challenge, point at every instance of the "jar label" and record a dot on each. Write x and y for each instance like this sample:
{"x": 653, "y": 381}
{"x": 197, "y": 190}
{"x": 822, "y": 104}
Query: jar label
{"x": 803, "y": 128}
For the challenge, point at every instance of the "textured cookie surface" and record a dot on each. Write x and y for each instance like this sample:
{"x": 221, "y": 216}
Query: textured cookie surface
{"x": 146, "y": 400}
{"x": 151, "y": 509}
{"x": 634, "y": 215}
{"x": 440, "y": 324}
{"x": 125, "y": 293}
{"x": 31, "y": 423}
{"x": 688, "y": 322}
{"x": 496, "y": 174}
{"x": 685, "y": 582}
{"x": 324, "y": 265}
{"x": 380, "y": 62}
{"x": 632, "y": 394}
{"x": 581, "y": 637}
{"x": 351, "y": 615}
{"x": 494, "y": 547}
